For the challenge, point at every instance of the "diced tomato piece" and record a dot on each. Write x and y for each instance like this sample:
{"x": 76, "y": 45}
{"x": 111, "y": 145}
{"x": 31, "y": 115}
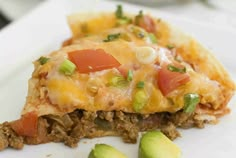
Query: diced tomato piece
{"x": 27, "y": 125}
{"x": 169, "y": 81}
{"x": 146, "y": 22}
{"x": 91, "y": 60}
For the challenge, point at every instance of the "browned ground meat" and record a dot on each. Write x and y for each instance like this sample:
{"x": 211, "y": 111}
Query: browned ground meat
{"x": 8, "y": 138}
{"x": 71, "y": 127}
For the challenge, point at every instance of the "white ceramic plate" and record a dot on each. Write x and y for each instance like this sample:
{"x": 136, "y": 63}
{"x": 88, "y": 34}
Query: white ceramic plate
{"x": 43, "y": 30}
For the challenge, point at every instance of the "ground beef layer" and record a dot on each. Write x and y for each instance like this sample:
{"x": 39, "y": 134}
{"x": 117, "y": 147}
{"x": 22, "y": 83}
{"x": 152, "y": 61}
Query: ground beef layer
{"x": 79, "y": 124}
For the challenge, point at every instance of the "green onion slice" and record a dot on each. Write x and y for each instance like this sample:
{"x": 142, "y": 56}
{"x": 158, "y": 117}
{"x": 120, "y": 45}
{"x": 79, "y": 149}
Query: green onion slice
{"x": 112, "y": 37}
{"x": 118, "y": 81}
{"x": 152, "y": 37}
{"x": 190, "y": 102}
{"x": 123, "y": 21}
{"x": 140, "y": 13}
{"x": 169, "y": 46}
{"x": 67, "y": 67}
{"x": 140, "y": 100}
{"x": 119, "y": 11}
{"x": 43, "y": 60}
{"x": 176, "y": 69}
{"x": 178, "y": 59}
{"x": 120, "y": 16}
{"x": 130, "y": 75}
{"x": 140, "y": 84}
{"x": 139, "y": 32}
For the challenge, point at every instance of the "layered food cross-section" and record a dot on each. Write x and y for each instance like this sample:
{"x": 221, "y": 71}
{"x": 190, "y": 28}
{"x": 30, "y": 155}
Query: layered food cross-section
{"x": 120, "y": 74}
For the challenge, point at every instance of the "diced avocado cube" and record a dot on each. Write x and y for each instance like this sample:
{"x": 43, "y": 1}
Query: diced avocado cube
{"x": 155, "y": 144}
{"x": 105, "y": 151}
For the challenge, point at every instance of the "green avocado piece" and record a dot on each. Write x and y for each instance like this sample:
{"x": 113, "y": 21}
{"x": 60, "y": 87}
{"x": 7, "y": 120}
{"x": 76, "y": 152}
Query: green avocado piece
{"x": 155, "y": 144}
{"x": 105, "y": 151}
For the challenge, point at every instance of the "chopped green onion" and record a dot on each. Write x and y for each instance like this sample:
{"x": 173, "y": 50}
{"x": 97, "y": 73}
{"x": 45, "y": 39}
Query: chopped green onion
{"x": 140, "y": 13}
{"x": 130, "y": 75}
{"x": 190, "y": 102}
{"x": 43, "y": 60}
{"x": 120, "y": 16}
{"x": 140, "y": 84}
{"x": 152, "y": 37}
{"x": 140, "y": 100}
{"x": 169, "y": 46}
{"x": 118, "y": 81}
{"x": 123, "y": 21}
{"x": 139, "y": 32}
{"x": 178, "y": 58}
{"x": 112, "y": 37}
{"x": 176, "y": 69}
{"x": 119, "y": 12}
{"x": 67, "y": 67}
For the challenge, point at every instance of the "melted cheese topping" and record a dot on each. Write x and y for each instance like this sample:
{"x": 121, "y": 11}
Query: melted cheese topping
{"x": 92, "y": 91}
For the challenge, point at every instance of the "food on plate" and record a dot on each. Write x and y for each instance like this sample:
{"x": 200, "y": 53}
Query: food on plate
{"x": 155, "y": 144}
{"x": 105, "y": 151}
{"x": 117, "y": 75}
